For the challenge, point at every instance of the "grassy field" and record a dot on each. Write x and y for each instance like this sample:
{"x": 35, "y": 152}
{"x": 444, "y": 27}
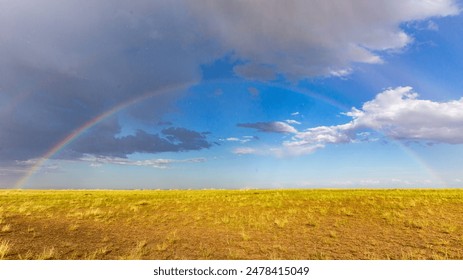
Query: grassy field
{"x": 232, "y": 224}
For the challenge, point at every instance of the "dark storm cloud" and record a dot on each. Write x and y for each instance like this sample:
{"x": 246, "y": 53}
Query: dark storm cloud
{"x": 52, "y": 106}
{"x": 104, "y": 142}
{"x": 63, "y": 63}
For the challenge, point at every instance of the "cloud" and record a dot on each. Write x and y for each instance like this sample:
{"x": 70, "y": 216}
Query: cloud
{"x": 296, "y": 148}
{"x": 243, "y": 139}
{"x": 397, "y": 113}
{"x": 104, "y": 142}
{"x": 292, "y": 122}
{"x": 244, "y": 151}
{"x": 276, "y": 127}
{"x": 22, "y": 166}
{"x": 304, "y": 142}
{"x": 320, "y": 38}
{"x": 432, "y": 26}
{"x": 325, "y": 134}
{"x": 64, "y": 63}
{"x": 157, "y": 163}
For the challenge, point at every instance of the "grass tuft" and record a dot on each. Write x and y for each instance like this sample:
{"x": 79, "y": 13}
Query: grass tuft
{"x": 6, "y": 228}
{"x": 4, "y": 249}
{"x": 138, "y": 252}
{"x": 47, "y": 254}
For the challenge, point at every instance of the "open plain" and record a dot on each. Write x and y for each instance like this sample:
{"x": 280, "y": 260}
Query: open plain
{"x": 231, "y": 224}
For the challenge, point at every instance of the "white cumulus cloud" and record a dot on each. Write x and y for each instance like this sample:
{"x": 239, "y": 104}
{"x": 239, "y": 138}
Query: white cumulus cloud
{"x": 397, "y": 113}
{"x": 400, "y": 114}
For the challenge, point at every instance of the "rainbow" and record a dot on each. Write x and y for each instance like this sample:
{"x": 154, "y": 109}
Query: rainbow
{"x": 89, "y": 124}
{"x": 86, "y": 126}
{"x": 411, "y": 153}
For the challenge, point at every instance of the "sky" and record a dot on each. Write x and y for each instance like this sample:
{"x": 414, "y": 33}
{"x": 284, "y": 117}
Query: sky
{"x": 231, "y": 94}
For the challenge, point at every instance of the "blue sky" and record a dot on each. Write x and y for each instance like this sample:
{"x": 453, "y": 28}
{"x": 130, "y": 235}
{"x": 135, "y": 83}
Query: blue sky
{"x": 231, "y": 94}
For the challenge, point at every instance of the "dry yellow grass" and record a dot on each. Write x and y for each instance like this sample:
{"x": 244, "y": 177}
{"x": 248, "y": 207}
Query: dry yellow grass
{"x": 4, "y": 248}
{"x": 232, "y": 224}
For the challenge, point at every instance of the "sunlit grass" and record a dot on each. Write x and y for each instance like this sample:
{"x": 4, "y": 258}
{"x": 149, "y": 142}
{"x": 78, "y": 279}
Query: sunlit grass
{"x": 4, "y": 249}
{"x": 5, "y": 228}
{"x": 232, "y": 224}
{"x": 46, "y": 254}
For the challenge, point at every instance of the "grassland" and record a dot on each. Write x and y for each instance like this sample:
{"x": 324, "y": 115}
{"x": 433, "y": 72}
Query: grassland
{"x": 232, "y": 224}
